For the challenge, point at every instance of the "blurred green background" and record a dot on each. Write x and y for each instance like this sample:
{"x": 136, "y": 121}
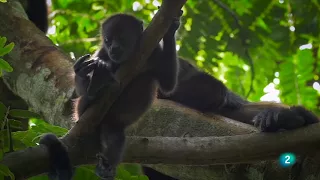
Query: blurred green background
{"x": 280, "y": 37}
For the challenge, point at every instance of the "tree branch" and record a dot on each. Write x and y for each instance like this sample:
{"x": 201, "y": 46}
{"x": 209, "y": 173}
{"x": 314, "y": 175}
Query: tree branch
{"x": 178, "y": 150}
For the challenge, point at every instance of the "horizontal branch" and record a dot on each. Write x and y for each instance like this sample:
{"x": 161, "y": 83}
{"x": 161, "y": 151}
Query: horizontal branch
{"x": 165, "y": 118}
{"x": 178, "y": 150}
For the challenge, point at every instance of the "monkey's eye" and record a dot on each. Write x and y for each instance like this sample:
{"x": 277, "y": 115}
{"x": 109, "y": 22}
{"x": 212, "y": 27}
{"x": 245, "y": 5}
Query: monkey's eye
{"x": 108, "y": 41}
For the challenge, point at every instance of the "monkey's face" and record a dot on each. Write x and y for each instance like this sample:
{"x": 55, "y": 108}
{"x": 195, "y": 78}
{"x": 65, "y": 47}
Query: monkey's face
{"x": 121, "y": 36}
{"x": 120, "y": 47}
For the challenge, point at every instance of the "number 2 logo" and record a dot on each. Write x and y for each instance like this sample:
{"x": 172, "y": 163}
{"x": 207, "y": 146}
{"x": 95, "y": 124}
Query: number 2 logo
{"x": 287, "y": 161}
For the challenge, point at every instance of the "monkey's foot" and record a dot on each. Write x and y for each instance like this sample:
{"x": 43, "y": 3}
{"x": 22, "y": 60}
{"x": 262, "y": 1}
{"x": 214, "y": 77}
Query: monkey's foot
{"x": 276, "y": 118}
{"x": 103, "y": 169}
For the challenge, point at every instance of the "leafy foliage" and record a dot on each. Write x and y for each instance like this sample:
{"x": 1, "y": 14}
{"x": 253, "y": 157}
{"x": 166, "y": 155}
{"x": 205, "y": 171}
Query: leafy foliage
{"x": 5, "y": 49}
{"x": 5, "y": 133}
{"x": 216, "y": 37}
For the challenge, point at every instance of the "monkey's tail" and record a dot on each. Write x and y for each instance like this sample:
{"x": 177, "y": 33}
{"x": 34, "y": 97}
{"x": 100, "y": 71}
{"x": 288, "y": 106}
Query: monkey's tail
{"x": 37, "y": 11}
{"x": 61, "y": 167}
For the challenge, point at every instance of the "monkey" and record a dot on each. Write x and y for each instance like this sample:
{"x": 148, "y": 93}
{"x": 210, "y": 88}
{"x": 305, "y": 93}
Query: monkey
{"x": 37, "y": 12}
{"x": 60, "y": 165}
{"x": 204, "y": 93}
{"x": 121, "y": 35}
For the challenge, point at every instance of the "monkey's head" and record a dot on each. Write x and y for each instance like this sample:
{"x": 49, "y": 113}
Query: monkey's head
{"x": 121, "y": 33}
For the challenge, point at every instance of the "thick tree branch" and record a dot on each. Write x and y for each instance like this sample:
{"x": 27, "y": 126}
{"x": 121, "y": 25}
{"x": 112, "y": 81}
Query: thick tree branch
{"x": 178, "y": 150}
{"x": 175, "y": 119}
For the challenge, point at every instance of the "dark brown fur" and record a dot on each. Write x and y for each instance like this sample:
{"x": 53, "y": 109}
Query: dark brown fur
{"x": 205, "y": 93}
{"x": 121, "y": 34}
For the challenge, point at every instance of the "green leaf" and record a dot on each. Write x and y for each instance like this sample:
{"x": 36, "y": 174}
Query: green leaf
{"x": 262, "y": 24}
{"x": 19, "y": 113}
{"x": 5, "y": 65}
{"x": 40, "y": 126}
{"x": 5, "y": 50}
{"x": 5, "y": 171}
{"x": 26, "y": 137}
{"x": 1, "y": 153}
{"x": 39, "y": 177}
{"x": 133, "y": 169}
{"x": 84, "y": 172}
{"x": 15, "y": 124}
{"x": 123, "y": 174}
{"x": 3, "y": 41}
{"x": 3, "y": 1}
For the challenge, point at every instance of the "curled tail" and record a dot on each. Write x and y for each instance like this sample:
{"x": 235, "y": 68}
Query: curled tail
{"x": 61, "y": 168}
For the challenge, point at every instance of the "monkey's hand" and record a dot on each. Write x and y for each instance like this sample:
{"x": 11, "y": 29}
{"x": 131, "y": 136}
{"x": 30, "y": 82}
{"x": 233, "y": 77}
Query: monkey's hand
{"x": 276, "y": 118}
{"x": 82, "y": 68}
{"x": 174, "y": 26}
{"x": 102, "y": 77}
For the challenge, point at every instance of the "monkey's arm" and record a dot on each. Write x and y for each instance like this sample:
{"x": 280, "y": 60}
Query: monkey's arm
{"x": 82, "y": 68}
{"x": 166, "y": 66}
{"x": 88, "y": 87}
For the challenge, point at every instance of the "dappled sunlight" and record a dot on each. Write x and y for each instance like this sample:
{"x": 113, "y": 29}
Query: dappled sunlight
{"x": 272, "y": 94}
{"x": 136, "y": 6}
{"x": 156, "y": 3}
{"x": 305, "y": 46}
{"x": 51, "y": 30}
{"x": 177, "y": 47}
{"x": 316, "y": 86}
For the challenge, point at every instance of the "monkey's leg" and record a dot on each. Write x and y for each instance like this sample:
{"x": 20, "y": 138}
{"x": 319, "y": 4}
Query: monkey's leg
{"x": 132, "y": 103}
{"x": 209, "y": 95}
{"x": 268, "y": 116}
{"x": 112, "y": 142}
